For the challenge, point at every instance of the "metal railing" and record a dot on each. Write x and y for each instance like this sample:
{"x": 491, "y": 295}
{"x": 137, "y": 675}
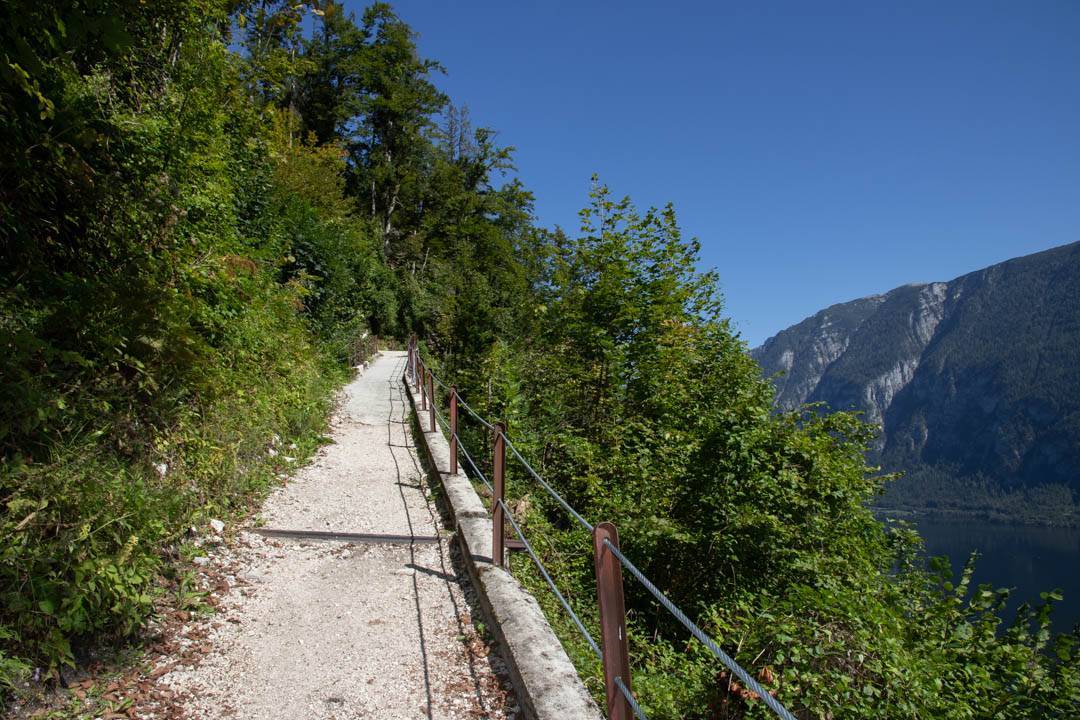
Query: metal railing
{"x": 609, "y": 561}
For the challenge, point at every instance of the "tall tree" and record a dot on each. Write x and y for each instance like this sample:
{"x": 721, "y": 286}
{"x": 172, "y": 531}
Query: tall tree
{"x": 389, "y": 146}
{"x": 332, "y": 87}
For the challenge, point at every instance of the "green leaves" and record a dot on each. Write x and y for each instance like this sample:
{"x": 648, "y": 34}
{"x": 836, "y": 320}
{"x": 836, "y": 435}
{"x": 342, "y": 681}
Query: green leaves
{"x": 633, "y": 398}
{"x": 150, "y": 339}
{"x": 1052, "y": 596}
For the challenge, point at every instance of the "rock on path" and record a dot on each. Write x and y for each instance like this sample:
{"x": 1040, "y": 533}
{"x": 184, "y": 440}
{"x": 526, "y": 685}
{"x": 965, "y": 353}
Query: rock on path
{"x": 336, "y": 631}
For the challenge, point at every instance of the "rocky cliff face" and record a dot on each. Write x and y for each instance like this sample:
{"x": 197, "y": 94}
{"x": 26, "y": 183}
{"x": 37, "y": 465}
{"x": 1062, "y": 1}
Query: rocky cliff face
{"x": 980, "y": 375}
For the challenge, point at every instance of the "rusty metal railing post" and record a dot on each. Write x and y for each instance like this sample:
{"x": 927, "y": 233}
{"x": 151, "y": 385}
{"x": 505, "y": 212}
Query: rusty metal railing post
{"x": 410, "y": 368}
{"x": 431, "y": 395}
{"x": 421, "y": 383}
{"x": 412, "y": 359}
{"x": 498, "y": 468}
{"x": 453, "y": 430}
{"x": 609, "y": 598}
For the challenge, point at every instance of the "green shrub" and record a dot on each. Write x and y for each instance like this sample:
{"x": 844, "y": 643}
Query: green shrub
{"x": 631, "y": 395}
{"x": 171, "y": 304}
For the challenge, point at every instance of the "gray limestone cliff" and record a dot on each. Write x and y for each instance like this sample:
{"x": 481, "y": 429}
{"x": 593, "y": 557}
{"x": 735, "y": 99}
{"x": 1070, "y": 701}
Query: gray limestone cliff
{"x": 978, "y": 377}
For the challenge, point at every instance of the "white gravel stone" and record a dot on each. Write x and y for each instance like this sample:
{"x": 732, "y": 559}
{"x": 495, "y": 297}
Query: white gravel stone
{"x": 325, "y": 630}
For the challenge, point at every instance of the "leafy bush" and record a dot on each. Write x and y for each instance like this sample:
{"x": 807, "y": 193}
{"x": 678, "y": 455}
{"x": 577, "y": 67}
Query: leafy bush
{"x": 172, "y": 301}
{"x": 629, "y": 392}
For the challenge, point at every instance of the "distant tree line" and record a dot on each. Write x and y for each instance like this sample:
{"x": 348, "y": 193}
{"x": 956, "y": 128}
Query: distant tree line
{"x": 944, "y": 491}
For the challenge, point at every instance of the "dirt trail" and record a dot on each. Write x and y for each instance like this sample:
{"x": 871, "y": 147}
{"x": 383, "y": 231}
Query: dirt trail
{"x": 335, "y": 630}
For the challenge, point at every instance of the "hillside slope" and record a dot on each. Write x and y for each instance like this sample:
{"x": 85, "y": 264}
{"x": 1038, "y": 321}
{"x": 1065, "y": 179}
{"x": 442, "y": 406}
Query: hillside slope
{"x": 975, "y": 382}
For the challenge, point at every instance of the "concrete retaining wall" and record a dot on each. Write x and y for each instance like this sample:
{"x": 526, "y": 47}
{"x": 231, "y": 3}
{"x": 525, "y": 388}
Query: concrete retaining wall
{"x": 548, "y": 687}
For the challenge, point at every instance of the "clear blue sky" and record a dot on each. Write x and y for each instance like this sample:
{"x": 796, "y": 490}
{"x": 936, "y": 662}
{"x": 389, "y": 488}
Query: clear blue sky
{"x": 819, "y": 151}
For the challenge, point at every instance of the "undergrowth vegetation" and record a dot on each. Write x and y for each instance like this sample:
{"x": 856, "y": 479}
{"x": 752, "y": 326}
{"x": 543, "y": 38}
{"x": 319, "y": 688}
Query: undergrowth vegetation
{"x": 207, "y": 206}
{"x": 182, "y": 281}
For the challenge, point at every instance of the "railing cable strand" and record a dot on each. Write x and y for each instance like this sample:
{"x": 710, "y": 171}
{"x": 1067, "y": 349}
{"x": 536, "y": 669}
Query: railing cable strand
{"x": 638, "y": 712}
{"x": 439, "y": 382}
{"x": 551, "y": 583}
{"x": 475, "y": 414}
{"x": 475, "y": 468}
{"x": 442, "y": 422}
{"x": 551, "y": 491}
{"x": 707, "y": 641}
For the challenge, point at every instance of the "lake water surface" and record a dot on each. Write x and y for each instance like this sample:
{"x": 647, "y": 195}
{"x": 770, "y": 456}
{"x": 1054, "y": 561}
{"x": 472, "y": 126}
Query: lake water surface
{"x": 1028, "y": 559}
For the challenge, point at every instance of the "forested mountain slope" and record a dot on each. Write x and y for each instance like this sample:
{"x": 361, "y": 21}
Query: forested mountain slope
{"x": 975, "y": 382}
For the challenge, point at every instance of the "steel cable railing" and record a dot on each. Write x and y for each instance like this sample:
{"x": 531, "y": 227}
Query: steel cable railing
{"x": 698, "y": 633}
{"x": 551, "y": 583}
{"x": 625, "y": 692}
{"x": 461, "y": 446}
{"x": 450, "y": 433}
{"x": 435, "y": 379}
{"x": 551, "y": 491}
{"x": 439, "y": 382}
{"x": 475, "y": 414}
{"x": 616, "y": 683}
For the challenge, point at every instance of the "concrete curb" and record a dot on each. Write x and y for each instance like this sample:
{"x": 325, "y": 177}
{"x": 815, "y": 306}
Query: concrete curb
{"x": 547, "y": 685}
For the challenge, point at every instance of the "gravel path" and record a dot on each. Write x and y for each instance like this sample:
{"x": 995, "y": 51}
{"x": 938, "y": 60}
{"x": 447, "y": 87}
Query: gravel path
{"x": 334, "y": 630}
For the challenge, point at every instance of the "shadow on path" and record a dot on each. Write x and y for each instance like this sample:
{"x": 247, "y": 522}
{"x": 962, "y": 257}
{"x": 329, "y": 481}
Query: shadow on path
{"x": 390, "y": 422}
{"x": 448, "y": 575}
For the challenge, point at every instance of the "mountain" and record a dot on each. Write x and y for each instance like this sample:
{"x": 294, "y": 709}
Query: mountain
{"x": 975, "y": 383}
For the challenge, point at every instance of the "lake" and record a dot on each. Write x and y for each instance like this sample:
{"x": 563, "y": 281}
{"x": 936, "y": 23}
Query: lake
{"x": 1026, "y": 558}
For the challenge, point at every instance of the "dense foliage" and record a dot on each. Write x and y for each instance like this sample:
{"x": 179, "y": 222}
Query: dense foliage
{"x": 172, "y": 301}
{"x": 205, "y": 207}
{"x": 628, "y": 390}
